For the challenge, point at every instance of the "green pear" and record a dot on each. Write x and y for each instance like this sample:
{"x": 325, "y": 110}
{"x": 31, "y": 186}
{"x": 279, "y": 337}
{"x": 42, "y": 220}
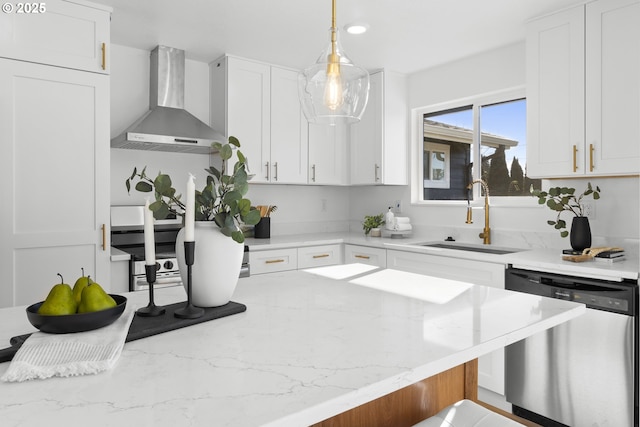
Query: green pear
{"x": 60, "y": 301}
{"x": 94, "y": 298}
{"x": 80, "y": 284}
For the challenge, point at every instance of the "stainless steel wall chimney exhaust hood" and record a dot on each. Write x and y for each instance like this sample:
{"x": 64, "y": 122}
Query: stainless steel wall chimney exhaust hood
{"x": 167, "y": 126}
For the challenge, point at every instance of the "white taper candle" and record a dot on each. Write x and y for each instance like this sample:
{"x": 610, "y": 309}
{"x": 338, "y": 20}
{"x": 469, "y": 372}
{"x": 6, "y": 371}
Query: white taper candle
{"x": 190, "y": 210}
{"x": 149, "y": 240}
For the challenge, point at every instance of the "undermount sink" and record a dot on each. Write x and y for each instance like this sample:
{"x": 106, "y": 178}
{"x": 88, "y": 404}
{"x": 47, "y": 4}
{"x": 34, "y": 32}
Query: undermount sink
{"x": 470, "y": 248}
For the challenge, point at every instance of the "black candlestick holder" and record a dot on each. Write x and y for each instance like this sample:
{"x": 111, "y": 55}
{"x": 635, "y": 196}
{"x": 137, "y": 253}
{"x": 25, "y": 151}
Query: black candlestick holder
{"x": 151, "y": 310}
{"x": 189, "y": 311}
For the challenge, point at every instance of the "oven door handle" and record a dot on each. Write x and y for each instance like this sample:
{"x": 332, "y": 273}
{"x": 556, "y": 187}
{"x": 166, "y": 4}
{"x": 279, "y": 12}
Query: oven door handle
{"x": 159, "y": 281}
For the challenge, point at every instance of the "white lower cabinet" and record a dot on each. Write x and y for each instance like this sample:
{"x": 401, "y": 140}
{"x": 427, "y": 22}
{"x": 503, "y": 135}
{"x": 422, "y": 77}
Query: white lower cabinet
{"x": 490, "y": 366}
{"x": 365, "y": 255}
{"x": 273, "y": 260}
{"x": 318, "y": 256}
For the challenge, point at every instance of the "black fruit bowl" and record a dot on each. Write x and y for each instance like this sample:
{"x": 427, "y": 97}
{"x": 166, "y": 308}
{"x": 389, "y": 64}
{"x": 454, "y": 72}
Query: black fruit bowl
{"x": 78, "y": 322}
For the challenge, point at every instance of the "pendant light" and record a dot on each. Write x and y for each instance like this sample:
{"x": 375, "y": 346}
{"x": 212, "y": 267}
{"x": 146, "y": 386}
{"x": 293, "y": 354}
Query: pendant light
{"x": 333, "y": 90}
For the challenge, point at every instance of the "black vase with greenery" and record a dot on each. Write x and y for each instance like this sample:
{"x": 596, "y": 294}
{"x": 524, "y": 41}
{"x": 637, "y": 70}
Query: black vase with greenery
{"x": 561, "y": 199}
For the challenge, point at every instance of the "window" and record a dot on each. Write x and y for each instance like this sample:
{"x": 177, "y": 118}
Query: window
{"x": 436, "y": 165}
{"x": 449, "y": 134}
{"x": 489, "y": 132}
{"x": 503, "y": 158}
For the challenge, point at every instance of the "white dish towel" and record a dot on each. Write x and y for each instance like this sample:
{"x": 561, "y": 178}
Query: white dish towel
{"x": 45, "y": 355}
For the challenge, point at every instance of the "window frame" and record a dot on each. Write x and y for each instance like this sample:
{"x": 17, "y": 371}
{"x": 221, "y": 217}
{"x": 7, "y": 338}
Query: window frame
{"x": 417, "y": 146}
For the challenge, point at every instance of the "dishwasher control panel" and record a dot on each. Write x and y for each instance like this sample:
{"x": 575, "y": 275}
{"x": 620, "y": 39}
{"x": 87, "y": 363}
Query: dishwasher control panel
{"x": 601, "y": 301}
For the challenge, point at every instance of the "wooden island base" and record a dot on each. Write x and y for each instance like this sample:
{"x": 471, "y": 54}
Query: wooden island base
{"x": 414, "y": 403}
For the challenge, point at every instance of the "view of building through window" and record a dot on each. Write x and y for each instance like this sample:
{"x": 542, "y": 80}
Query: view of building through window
{"x": 449, "y": 151}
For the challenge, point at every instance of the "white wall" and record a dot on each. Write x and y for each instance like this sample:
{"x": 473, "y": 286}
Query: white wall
{"x": 617, "y": 216}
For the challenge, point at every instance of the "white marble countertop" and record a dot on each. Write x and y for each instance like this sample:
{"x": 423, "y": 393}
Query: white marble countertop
{"x": 549, "y": 260}
{"x": 119, "y": 255}
{"x": 308, "y": 347}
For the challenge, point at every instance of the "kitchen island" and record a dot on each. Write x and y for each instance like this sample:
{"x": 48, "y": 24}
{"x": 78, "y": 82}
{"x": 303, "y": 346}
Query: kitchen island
{"x": 312, "y": 344}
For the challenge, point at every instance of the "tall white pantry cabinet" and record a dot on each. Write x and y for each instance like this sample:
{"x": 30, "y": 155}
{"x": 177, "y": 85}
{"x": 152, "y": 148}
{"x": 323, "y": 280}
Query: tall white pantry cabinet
{"x": 54, "y": 131}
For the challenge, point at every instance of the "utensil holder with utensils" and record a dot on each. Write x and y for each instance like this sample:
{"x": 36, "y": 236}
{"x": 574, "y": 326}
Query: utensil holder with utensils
{"x": 262, "y": 229}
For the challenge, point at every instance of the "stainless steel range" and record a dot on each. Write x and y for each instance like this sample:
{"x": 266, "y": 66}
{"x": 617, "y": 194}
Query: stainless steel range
{"x": 127, "y": 234}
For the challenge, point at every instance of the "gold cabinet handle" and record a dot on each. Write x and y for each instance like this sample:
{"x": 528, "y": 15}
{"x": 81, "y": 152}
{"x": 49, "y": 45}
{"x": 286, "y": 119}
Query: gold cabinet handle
{"x": 104, "y": 56}
{"x": 362, "y": 256}
{"x": 591, "y": 157}
{"x": 104, "y": 237}
{"x": 273, "y": 261}
{"x": 575, "y": 155}
{"x": 321, "y": 256}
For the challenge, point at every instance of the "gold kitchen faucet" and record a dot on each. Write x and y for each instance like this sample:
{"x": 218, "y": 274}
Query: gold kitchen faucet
{"x": 486, "y": 232}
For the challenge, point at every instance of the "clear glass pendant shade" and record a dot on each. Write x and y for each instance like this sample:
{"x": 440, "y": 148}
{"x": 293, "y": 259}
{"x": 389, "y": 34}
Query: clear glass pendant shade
{"x": 333, "y": 90}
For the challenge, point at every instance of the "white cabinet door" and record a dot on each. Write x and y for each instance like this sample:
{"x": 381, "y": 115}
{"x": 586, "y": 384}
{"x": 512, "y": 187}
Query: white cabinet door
{"x": 289, "y": 130}
{"x": 328, "y": 154}
{"x": 367, "y": 138}
{"x": 555, "y": 94}
{"x": 379, "y": 141}
{"x": 490, "y": 366}
{"x": 317, "y": 256}
{"x": 65, "y": 34}
{"x": 241, "y": 107}
{"x": 613, "y": 87}
{"x": 54, "y": 128}
{"x": 365, "y": 255}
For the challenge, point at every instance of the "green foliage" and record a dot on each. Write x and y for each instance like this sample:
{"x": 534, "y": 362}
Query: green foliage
{"x": 561, "y": 199}
{"x": 221, "y": 200}
{"x": 372, "y": 221}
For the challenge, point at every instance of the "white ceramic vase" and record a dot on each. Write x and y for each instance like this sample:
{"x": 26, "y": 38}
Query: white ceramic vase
{"x": 216, "y": 267}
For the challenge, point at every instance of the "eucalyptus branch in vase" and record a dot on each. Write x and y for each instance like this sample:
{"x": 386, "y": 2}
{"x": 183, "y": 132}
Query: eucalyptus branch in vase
{"x": 221, "y": 200}
{"x": 561, "y": 199}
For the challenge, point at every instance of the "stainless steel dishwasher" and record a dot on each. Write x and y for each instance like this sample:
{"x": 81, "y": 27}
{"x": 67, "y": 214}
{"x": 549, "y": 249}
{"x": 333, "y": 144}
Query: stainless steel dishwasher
{"x": 583, "y": 373}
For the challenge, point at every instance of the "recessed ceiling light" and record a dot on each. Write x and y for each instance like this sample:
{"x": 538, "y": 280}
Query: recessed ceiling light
{"x": 356, "y": 28}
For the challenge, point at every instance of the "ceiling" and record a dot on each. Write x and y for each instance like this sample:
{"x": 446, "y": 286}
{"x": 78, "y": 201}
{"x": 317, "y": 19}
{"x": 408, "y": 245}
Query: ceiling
{"x": 404, "y": 35}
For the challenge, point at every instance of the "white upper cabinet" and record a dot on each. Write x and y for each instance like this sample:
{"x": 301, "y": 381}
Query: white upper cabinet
{"x": 328, "y": 154}
{"x": 613, "y": 87}
{"x": 379, "y": 141}
{"x": 583, "y": 91}
{"x": 60, "y": 33}
{"x": 367, "y": 137}
{"x": 289, "y": 130}
{"x": 258, "y": 104}
{"x": 240, "y": 92}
